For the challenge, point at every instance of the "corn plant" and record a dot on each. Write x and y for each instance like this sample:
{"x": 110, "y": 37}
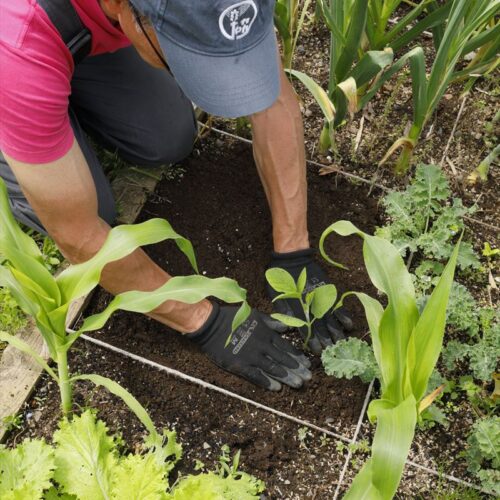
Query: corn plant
{"x": 406, "y": 345}
{"x": 469, "y": 27}
{"x": 289, "y": 18}
{"x": 47, "y": 298}
{"x": 315, "y": 303}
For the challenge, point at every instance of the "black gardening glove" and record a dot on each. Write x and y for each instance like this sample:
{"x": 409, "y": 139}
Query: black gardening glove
{"x": 256, "y": 352}
{"x": 326, "y": 330}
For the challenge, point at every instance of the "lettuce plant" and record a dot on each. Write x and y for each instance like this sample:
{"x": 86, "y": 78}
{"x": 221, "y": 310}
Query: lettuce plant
{"x": 406, "y": 345}
{"x": 315, "y": 303}
{"x": 48, "y": 298}
{"x": 85, "y": 463}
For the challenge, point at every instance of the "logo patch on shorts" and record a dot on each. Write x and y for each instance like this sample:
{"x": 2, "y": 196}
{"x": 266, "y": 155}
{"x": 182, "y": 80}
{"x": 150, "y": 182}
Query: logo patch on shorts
{"x": 236, "y": 21}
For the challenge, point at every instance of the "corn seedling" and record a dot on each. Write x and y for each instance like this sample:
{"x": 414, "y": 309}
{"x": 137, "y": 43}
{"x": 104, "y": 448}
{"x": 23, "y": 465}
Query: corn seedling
{"x": 468, "y": 28}
{"x": 406, "y": 345}
{"x": 315, "y": 303}
{"x": 47, "y": 298}
{"x": 289, "y": 17}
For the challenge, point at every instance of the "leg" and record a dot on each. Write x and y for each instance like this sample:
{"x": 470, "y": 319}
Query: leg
{"x": 131, "y": 107}
{"x": 22, "y": 209}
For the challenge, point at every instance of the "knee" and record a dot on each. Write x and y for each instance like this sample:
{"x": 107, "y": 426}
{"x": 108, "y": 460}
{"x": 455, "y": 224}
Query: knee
{"x": 172, "y": 142}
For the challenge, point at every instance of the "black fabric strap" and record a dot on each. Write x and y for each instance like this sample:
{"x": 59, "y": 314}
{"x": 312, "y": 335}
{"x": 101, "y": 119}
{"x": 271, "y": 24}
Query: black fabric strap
{"x": 73, "y": 32}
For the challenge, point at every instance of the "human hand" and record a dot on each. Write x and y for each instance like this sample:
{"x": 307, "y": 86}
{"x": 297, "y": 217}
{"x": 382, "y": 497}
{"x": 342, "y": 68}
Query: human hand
{"x": 256, "y": 350}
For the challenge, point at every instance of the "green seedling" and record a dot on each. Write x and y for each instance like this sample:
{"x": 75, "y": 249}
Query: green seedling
{"x": 47, "y": 298}
{"x": 315, "y": 303}
{"x": 406, "y": 344}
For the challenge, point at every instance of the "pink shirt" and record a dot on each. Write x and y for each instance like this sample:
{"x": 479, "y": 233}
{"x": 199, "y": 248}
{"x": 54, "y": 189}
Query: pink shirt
{"x": 35, "y": 77}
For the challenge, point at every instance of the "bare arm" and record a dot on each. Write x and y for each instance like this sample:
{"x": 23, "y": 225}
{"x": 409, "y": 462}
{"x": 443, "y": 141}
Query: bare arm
{"x": 63, "y": 195}
{"x": 278, "y": 143}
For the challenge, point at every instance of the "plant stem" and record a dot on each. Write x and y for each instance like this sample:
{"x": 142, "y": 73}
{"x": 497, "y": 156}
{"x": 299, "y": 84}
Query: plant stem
{"x": 64, "y": 383}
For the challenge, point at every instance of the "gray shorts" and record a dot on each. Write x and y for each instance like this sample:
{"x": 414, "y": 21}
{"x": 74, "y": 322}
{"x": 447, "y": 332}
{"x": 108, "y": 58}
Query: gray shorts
{"x": 126, "y": 106}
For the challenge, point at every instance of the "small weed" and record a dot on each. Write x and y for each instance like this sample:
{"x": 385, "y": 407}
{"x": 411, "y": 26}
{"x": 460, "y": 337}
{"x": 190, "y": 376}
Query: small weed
{"x": 12, "y": 422}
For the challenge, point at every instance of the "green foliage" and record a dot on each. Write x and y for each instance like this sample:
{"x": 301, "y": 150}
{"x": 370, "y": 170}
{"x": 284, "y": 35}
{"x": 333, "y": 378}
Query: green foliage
{"x": 463, "y": 310}
{"x": 85, "y": 463}
{"x": 11, "y": 316}
{"x": 424, "y": 220}
{"x": 483, "y": 453}
{"x": 315, "y": 303}
{"x": 350, "y": 358}
{"x": 25, "y": 471}
{"x": 470, "y": 24}
{"x": 289, "y": 17}
{"x": 48, "y": 298}
{"x": 406, "y": 344}
{"x": 212, "y": 486}
{"x": 482, "y": 356}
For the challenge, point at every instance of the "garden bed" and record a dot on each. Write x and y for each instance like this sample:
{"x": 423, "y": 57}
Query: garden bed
{"x": 219, "y": 204}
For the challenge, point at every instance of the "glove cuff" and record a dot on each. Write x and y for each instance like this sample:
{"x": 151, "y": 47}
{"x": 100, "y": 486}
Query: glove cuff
{"x": 298, "y": 258}
{"x": 203, "y": 333}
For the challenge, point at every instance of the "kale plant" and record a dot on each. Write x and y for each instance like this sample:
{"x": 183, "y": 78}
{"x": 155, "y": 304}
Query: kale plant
{"x": 483, "y": 453}
{"x": 425, "y": 220}
{"x": 350, "y": 358}
{"x": 482, "y": 356}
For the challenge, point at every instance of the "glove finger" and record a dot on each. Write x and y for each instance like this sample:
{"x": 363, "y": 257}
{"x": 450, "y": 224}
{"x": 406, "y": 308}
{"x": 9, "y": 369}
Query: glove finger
{"x": 290, "y": 363}
{"x": 335, "y": 328}
{"x": 280, "y": 373}
{"x": 322, "y": 333}
{"x": 345, "y": 319}
{"x": 258, "y": 377}
{"x": 283, "y": 345}
{"x": 315, "y": 345}
{"x": 274, "y": 324}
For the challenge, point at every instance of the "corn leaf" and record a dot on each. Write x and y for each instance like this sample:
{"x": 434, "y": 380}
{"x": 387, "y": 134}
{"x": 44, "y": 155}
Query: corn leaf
{"x": 122, "y": 393}
{"x": 188, "y": 289}
{"x": 76, "y": 281}
{"x": 27, "y": 349}
{"x": 427, "y": 338}
{"x": 11, "y": 235}
{"x": 391, "y": 445}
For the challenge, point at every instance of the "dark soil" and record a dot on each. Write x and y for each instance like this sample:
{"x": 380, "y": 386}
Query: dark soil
{"x": 270, "y": 447}
{"x": 220, "y": 206}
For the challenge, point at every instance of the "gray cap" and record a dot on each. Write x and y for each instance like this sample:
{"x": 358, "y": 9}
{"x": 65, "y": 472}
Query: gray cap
{"x": 223, "y": 53}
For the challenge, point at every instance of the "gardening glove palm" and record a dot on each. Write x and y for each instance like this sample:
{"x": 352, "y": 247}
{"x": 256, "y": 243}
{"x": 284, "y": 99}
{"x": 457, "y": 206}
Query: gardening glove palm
{"x": 326, "y": 330}
{"x": 256, "y": 351}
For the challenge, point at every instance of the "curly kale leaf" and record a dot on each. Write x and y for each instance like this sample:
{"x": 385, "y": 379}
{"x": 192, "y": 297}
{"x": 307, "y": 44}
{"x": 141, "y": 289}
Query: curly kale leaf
{"x": 483, "y": 453}
{"x": 453, "y": 352}
{"x": 462, "y": 312}
{"x": 26, "y": 471}
{"x": 350, "y": 358}
{"x": 424, "y": 220}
